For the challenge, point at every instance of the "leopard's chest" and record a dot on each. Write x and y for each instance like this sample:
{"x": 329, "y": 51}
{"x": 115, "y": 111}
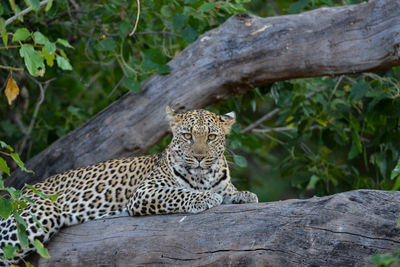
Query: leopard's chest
{"x": 197, "y": 179}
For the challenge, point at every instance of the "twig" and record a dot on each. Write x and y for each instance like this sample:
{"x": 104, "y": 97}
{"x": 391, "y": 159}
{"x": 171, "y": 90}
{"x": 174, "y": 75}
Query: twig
{"x": 336, "y": 87}
{"x": 137, "y": 19}
{"x": 116, "y": 86}
{"x": 274, "y": 112}
{"x": 11, "y": 68}
{"x": 24, "y": 12}
{"x": 36, "y": 111}
{"x": 261, "y": 120}
{"x": 276, "y": 129}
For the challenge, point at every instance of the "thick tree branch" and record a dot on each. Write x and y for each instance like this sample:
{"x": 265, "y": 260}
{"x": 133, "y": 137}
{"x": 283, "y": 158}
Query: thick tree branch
{"x": 339, "y": 230}
{"x": 243, "y": 53}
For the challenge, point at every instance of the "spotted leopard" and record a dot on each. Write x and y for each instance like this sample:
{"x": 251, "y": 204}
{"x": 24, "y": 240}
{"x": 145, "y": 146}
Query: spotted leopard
{"x": 189, "y": 176}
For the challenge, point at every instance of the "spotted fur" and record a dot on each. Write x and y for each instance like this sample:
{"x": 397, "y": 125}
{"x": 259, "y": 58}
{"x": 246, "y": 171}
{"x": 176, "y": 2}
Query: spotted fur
{"x": 189, "y": 176}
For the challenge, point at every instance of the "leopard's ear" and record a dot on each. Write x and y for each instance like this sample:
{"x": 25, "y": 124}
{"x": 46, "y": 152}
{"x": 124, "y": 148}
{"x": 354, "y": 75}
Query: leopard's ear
{"x": 227, "y": 120}
{"x": 171, "y": 117}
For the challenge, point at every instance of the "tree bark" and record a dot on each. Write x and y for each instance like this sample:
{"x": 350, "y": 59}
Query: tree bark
{"x": 339, "y": 230}
{"x": 243, "y": 53}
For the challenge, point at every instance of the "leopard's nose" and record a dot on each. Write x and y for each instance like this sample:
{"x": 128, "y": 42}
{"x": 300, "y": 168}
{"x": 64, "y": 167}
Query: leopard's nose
{"x": 199, "y": 157}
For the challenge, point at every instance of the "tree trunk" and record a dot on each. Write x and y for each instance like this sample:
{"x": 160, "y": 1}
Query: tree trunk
{"x": 243, "y": 53}
{"x": 340, "y": 230}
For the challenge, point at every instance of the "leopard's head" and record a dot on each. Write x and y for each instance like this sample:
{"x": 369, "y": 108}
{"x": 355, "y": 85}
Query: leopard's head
{"x": 198, "y": 136}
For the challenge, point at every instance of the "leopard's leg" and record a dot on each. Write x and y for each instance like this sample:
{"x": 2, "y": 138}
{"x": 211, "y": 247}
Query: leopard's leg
{"x": 47, "y": 214}
{"x": 232, "y": 196}
{"x": 150, "y": 199}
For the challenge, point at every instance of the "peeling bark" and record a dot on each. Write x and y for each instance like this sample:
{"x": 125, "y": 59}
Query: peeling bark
{"x": 243, "y": 53}
{"x": 339, "y": 230}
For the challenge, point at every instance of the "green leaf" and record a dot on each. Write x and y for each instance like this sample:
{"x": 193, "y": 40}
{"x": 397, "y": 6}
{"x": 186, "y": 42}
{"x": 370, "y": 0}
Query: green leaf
{"x": 63, "y": 63}
{"x": 358, "y": 91}
{"x": 64, "y": 43}
{"x": 124, "y": 27}
{"x": 16, "y": 158}
{"x": 5, "y": 208}
{"x": 35, "y": 219}
{"x": 313, "y": 181}
{"x": 3, "y": 32}
{"x": 34, "y": 4}
{"x": 189, "y": 34}
{"x": 4, "y": 145}
{"x": 43, "y": 40}
{"x": 396, "y": 171}
{"x": 33, "y": 61}
{"x": 19, "y": 219}
{"x": 163, "y": 69}
{"x": 21, "y": 35}
{"x": 396, "y": 185}
{"x": 132, "y": 84}
{"x": 178, "y": 20}
{"x": 298, "y": 6}
{"x": 207, "y": 6}
{"x": 49, "y": 57}
{"x": 9, "y": 251}
{"x": 49, "y": 5}
{"x": 23, "y": 238}
{"x": 166, "y": 11}
{"x": 353, "y": 152}
{"x": 240, "y": 161}
{"x": 106, "y": 45}
{"x": 4, "y": 167}
{"x": 40, "y": 249}
{"x": 379, "y": 160}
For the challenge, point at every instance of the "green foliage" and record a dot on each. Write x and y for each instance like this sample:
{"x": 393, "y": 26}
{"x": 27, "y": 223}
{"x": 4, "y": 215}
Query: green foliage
{"x": 14, "y": 204}
{"x": 386, "y": 260}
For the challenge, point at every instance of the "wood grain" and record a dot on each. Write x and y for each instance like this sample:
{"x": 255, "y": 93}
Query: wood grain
{"x": 339, "y": 230}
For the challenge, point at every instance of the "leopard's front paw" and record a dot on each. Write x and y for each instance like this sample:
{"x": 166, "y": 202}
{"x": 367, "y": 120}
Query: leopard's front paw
{"x": 242, "y": 197}
{"x": 206, "y": 201}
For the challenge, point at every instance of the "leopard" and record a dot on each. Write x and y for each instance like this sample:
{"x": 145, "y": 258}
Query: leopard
{"x": 190, "y": 175}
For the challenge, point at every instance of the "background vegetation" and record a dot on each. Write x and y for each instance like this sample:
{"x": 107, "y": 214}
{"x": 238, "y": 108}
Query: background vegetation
{"x": 70, "y": 59}
{"x": 67, "y": 60}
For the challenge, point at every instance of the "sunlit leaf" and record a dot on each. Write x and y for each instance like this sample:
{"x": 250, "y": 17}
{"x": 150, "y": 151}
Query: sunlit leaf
{"x": 396, "y": 171}
{"x": 9, "y": 251}
{"x": 49, "y": 5}
{"x": 12, "y": 90}
{"x": 17, "y": 159}
{"x": 49, "y": 57}
{"x": 40, "y": 249}
{"x": 5, "y": 208}
{"x": 64, "y": 43}
{"x": 21, "y": 35}
{"x": 4, "y": 167}
{"x": 22, "y": 237}
{"x": 33, "y": 60}
{"x": 63, "y": 63}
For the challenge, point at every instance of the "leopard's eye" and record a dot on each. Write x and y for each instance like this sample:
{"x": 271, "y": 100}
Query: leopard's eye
{"x": 212, "y": 137}
{"x": 187, "y": 136}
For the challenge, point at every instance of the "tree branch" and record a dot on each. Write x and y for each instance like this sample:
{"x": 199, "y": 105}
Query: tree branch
{"x": 24, "y": 12}
{"x": 340, "y": 230}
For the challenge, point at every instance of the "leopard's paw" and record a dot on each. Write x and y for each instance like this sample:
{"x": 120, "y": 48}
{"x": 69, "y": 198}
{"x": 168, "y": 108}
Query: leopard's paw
{"x": 206, "y": 201}
{"x": 242, "y": 197}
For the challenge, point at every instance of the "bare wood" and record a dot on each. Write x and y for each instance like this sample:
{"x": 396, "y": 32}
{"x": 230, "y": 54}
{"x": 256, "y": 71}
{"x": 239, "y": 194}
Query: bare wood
{"x": 340, "y": 230}
{"x": 243, "y": 53}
